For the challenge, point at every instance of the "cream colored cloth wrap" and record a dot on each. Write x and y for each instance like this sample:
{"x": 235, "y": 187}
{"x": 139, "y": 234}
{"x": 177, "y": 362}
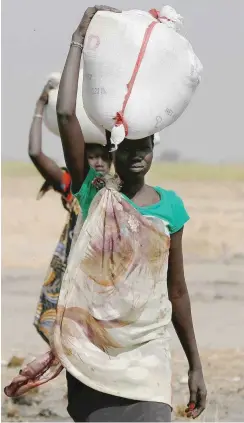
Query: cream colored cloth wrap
{"x": 113, "y": 310}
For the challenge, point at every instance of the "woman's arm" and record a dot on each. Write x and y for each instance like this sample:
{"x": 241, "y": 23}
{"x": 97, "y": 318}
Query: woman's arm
{"x": 69, "y": 127}
{"x": 182, "y": 321}
{"x": 70, "y": 131}
{"x": 50, "y": 171}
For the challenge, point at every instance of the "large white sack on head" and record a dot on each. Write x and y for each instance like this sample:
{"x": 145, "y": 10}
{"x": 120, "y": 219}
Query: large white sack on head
{"x": 91, "y": 133}
{"x": 167, "y": 76}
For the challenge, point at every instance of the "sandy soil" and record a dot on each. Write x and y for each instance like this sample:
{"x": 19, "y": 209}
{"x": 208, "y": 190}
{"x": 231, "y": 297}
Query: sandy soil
{"x": 214, "y": 256}
{"x": 214, "y": 233}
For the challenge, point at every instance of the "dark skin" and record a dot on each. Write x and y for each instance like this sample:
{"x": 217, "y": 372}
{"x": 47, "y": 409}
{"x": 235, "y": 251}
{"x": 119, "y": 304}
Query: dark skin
{"x": 50, "y": 171}
{"x": 98, "y": 157}
{"x": 132, "y": 161}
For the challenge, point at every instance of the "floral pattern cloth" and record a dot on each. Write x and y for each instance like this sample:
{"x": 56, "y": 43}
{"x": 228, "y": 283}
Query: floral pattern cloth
{"x": 47, "y": 305}
{"x": 113, "y": 309}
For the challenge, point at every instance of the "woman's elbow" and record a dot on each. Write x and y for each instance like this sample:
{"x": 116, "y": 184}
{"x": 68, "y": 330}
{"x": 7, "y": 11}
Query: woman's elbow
{"x": 34, "y": 154}
{"x": 34, "y": 149}
{"x": 64, "y": 114}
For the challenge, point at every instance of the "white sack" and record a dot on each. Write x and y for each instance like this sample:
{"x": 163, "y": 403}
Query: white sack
{"x": 166, "y": 80}
{"x": 91, "y": 133}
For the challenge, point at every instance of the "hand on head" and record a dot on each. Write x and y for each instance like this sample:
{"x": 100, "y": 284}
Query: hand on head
{"x": 45, "y": 92}
{"x": 80, "y": 32}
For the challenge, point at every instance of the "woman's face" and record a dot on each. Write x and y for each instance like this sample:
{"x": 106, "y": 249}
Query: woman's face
{"x": 133, "y": 157}
{"x": 98, "y": 158}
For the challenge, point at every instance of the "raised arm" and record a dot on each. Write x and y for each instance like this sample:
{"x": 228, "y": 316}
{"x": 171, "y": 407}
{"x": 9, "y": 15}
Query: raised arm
{"x": 50, "y": 171}
{"x": 182, "y": 321}
{"x": 69, "y": 127}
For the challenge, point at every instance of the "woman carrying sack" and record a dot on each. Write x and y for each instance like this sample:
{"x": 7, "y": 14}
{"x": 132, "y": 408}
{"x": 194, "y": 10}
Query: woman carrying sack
{"x": 58, "y": 179}
{"x": 128, "y": 268}
{"x": 123, "y": 285}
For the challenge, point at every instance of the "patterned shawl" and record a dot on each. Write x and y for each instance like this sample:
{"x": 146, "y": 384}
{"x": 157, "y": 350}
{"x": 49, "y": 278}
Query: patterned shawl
{"x": 103, "y": 289}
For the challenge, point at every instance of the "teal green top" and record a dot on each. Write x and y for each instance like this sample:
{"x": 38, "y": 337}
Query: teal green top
{"x": 169, "y": 208}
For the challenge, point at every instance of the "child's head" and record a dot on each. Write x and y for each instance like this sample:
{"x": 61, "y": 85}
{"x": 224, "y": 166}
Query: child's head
{"x": 99, "y": 158}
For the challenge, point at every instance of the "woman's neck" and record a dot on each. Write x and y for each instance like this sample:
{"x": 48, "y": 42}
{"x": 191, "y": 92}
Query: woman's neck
{"x": 130, "y": 189}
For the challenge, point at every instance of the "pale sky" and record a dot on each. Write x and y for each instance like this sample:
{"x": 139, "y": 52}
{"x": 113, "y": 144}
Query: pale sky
{"x": 35, "y": 42}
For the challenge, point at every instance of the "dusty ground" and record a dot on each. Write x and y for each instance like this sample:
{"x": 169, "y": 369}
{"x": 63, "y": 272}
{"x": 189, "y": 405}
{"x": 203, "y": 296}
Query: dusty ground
{"x": 214, "y": 256}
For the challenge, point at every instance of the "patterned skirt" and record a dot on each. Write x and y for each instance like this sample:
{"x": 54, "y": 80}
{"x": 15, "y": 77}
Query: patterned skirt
{"x": 46, "y": 309}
